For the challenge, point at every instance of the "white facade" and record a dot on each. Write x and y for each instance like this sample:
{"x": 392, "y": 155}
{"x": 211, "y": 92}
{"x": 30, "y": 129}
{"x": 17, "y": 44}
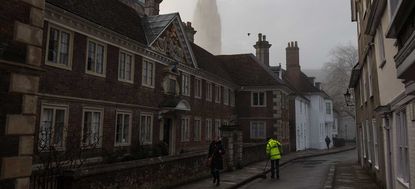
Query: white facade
{"x": 302, "y": 121}
{"x": 319, "y": 123}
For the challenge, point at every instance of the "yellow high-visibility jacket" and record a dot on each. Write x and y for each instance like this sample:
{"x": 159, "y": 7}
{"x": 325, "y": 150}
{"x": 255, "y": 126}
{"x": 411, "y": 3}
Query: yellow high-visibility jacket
{"x": 273, "y": 149}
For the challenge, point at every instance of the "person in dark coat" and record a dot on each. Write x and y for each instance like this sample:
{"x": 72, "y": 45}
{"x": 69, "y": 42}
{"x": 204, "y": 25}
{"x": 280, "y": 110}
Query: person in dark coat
{"x": 216, "y": 152}
{"x": 328, "y": 141}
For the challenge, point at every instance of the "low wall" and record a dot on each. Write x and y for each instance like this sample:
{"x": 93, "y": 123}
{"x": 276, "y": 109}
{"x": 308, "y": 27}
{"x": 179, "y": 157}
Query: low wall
{"x": 162, "y": 172}
{"x": 253, "y": 153}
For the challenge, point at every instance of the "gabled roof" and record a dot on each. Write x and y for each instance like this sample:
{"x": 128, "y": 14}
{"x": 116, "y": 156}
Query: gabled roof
{"x": 246, "y": 70}
{"x": 155, "y": 26}
{"x": 111, "y": 14}
{"x": 210, "y": 62}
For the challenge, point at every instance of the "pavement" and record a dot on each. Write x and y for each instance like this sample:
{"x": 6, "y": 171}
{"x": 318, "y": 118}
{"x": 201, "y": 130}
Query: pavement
{"x": 351, "y": 175}
{"x": 240, "y": 177}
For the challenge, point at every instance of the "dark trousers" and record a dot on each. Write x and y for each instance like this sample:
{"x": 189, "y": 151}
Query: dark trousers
{"x": 275, "y": 168}
{"x": 215, "y": 175}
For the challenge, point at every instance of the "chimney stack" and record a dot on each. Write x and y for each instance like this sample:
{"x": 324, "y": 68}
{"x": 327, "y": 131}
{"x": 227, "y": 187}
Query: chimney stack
{"x": 293, "y": 61}
{"x": 190, "y": 31}
{"x": 318, "y": 85}
{"x": 262, "y": 49}
{"x": 152, "y": 7}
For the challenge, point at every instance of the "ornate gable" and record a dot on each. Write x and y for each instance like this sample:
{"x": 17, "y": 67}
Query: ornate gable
{"x": 166, "y": 35}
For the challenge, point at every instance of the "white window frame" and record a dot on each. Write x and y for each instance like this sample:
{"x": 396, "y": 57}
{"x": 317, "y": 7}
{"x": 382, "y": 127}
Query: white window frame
{"x": 232, "y": 98}
{"x": 146, "y": 127}
{"x": 328, "y": 108}
{"x": 380, "y": 45}
{"x": 364, "y": 140}
{"x": 218, "y": 93}
{"x": 99, "y": 140}
{"x": 369, "y": 72}
{"x": 375, "y": 144}
{"x": 198, "y": 88}
{"x": 128, "y": 137}
{"x": 148, "y": 78}
{"x": 369, "y": 141}
{"x": 402, "y": 156}
{"x": 209, "y": 129}
{"x": 70, "y": 48}
{"x": 364, "y": 83}
{"x": 131, "y": 80}
{"x": 185, "y": 129}
{"x": 104, "y": 58}
{"x": 197, "y": 129}
{"x": 209, "y": 92}
{"x": 54, "y": 107}
{"x": 225, "y": 96}
{"x": 217, "y": 127}
{"x": 259, "y": 104}
{"x": 186, "y": 84}
{"x": 255, "y": 125}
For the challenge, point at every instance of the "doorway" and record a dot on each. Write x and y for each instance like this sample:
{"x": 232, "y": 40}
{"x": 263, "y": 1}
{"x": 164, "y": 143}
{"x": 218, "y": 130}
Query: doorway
{"x": 168, "y": 133}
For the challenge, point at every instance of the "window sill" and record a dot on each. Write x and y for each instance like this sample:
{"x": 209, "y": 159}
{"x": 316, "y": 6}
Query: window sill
{"x": 382, "y": 65}
{"x": 258, "y": 106}
{"x": 95, "y": 74}
{"x": 147, "y": 86}
{"x": 61, "y": 66}
{"x": 121, "y": 144}
{"x": 126, "y": 81}
{"x": 402, "y": 182}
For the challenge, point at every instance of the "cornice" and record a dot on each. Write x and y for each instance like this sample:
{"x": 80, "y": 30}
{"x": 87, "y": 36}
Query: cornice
{"x": 81, "y": 25}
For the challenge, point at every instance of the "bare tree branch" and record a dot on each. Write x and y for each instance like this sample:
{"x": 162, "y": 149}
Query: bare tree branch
{"x": 338, "y": 69}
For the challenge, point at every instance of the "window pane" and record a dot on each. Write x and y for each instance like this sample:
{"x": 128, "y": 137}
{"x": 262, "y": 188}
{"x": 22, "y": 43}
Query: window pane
{"x": 46, "y": 127}
{"x": 119, "y": 128}
{"x": 261, "y": 99}
{"x": 143, "y": 128}
{"x": 100, "y": 59}
{"x": 255, "y": 98}
{"x": 126, "y": 128}
{"x": 121, "y": 69}
{"x": 91, "y": 56}
{"x": 53, "y": 45}
{"x": 87, "y": 127}
{"x": 59, "y": 126}
{"x": 64, "y": 49}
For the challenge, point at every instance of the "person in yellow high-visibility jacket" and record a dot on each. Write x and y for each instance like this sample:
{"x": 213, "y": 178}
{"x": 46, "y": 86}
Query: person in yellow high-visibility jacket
{"x": 274, "y": 154}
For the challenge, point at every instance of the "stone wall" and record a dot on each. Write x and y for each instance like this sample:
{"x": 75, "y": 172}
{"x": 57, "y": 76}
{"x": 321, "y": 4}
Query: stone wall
{"x": 253, "y": 153}
{"x": 21, "y": 29}
{"x": 161, "y": 172}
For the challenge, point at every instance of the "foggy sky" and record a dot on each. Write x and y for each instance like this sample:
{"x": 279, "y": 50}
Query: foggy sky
{"x": 317, "y": 25}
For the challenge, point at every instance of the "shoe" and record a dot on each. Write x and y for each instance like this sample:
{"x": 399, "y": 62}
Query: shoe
{"x": 214, "y": 180}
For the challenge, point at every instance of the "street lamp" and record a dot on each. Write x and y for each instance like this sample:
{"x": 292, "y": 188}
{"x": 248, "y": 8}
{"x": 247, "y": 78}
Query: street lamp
{"x": 348, "y": 98}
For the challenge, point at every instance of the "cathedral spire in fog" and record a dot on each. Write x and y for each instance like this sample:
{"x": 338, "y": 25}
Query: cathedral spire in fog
{"x": 206, "y": 21}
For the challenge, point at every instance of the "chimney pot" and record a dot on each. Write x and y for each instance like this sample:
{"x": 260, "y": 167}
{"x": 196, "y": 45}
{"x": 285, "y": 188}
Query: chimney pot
{"x": 296, "y": 44}
{"x": 259, "y": 36}
{"x": 264, "y": 38}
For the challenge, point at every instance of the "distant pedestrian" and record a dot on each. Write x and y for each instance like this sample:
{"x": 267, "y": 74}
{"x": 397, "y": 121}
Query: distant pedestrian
{"x": 274, "y": 151}
{"x": 328, "y": 141}
{"x": 216, "y": 152}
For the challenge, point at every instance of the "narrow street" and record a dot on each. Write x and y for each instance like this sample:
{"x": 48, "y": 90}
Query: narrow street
{"x": 308, "y": 173}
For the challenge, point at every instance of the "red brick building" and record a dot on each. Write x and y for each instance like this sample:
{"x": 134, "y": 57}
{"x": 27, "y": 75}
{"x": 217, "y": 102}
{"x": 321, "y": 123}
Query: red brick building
{"x": 116, "y": 77}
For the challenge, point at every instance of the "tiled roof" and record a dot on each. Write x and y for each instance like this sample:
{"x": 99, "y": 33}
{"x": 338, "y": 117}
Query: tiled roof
{"x": 245, "y": 70}
{"x": 210, "y": 62}
{"x": 111, "y": 14}
{"x": 155, "y": 25}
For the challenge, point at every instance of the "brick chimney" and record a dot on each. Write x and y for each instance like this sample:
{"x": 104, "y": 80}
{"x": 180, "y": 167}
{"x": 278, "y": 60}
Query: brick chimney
{"x": 152, "y": 7}
{"x": 262, "y": 49}
{"x": 190, "y": 31}
{"x": 293, "y": 61}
